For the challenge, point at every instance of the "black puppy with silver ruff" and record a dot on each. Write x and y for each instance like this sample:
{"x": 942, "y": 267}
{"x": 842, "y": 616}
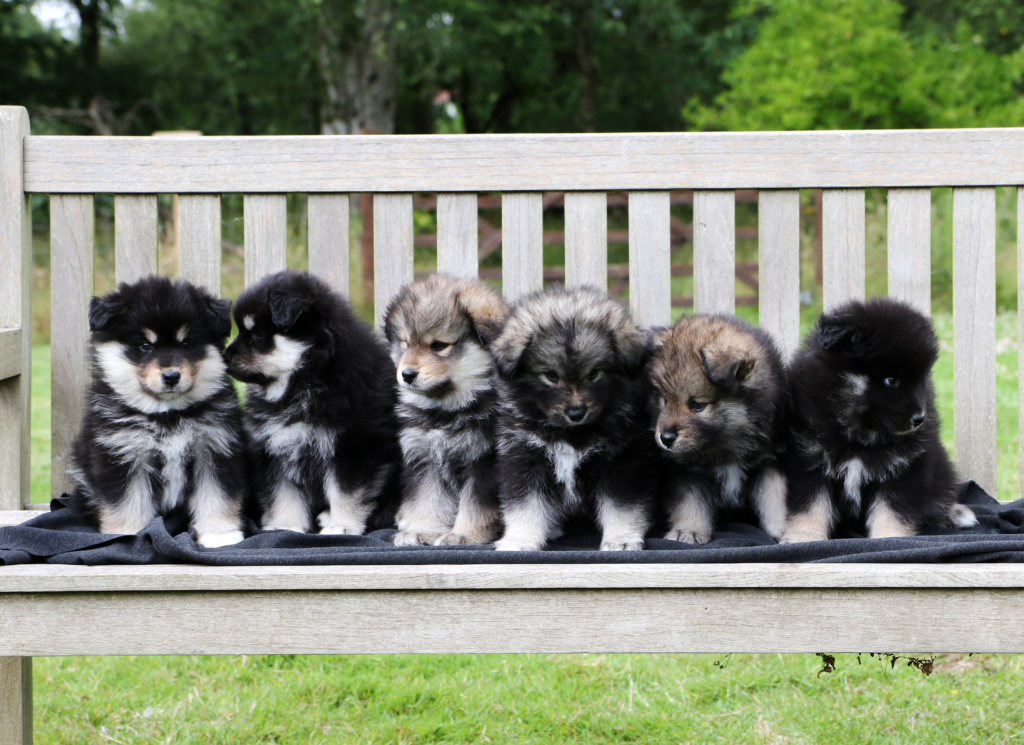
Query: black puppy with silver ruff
{"x": 573, "y": 437}
{"x": 162, "y": 431}
{"x": 319, "y": 407}
{"x": 865, "y": 432}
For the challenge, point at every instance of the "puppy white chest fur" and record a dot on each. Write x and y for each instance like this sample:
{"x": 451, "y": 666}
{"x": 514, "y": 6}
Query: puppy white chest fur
{"x": 565, "y": 459}
{"x": 292, "y": 442}
{"x": 730, "y": 479}
{"x": 854, "y": 477}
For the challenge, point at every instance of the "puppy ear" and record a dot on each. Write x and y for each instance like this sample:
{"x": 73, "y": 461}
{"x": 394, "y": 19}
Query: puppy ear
{"x": 486, "y": 311}
{"x": 724, "y": 366}
{"x": 634, "y": 347}
{"x": 508, "y": 349}
{"x": 657, "y": 336}
{"x": 836, "y": 334}
{"x": 103, "y": 309}
{"x": 286, "y": 307}
{"x": 219, "y": 314}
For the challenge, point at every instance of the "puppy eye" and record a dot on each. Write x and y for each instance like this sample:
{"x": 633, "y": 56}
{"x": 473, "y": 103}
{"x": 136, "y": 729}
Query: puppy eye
{"x": 697, "y": 406}
{"x": 891, "y": 382}
{"x": 594, "y": 375}
{"x": 551, "y": 375}
{"x": 439, "y": 346}
{"x": 256, "y": 334}
{"x": 186, "y": 345}
{"x": 145, "y": 347}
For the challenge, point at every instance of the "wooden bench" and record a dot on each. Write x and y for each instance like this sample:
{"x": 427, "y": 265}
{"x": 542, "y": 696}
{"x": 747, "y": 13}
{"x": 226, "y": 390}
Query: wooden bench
{"x": 66, "y": 610}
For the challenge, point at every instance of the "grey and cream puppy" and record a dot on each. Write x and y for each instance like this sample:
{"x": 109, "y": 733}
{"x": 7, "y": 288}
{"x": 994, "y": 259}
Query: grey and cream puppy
{"x": 719, "y": 404}
{"x": 573, "y": 438}
{"x": 439, "y": 330}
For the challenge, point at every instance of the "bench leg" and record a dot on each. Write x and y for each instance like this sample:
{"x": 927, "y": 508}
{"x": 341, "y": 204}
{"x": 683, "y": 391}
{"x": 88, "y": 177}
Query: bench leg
{"x": 15, "y": 701}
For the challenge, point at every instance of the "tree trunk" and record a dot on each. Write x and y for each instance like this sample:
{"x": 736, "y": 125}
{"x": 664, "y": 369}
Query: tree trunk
{"x": 357, "y": 65}
{"x": 585, "y": 62}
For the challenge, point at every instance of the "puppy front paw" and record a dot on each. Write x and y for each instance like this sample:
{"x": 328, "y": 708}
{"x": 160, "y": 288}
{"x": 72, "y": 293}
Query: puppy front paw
{"x": 293, "y": 528}
{"x": 216, "y": 540}
{"x": 802, "y": 536}
{"x": 515, "y": 544}
{"x": 414, "y": 538}
{"x": 622, "y": 544}
{"x": 683, "y": 535}
{"x": 338, "y": 527}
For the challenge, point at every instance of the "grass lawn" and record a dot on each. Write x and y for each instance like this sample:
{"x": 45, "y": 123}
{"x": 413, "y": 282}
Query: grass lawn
{"x": 538, "y": 698}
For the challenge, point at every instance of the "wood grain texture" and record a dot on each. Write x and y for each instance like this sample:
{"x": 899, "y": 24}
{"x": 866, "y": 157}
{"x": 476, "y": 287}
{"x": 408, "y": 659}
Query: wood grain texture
{"x": 510, "y": 621}
{"x": 778, "y": 235}
{"x": 1020, "y": 331}
{"x": 504, "y": 163}
{"x": 15, "y": 701}
{"x": 457, "y": 235}
{"x": 522, "y": 244}
{"x": 15, "y": 306}
{"x": 199, "y": 240}
{"x": 72, "y": 233}
{"x": 974, "y": 334}
{"x": 842, "y": 246}
{"x": 58, "y": 578}
{"x": 392, "y": 249}
{"x": 909, "y": 239}
{"x": 586, "y": 239}
{"x": 328, "y": 239}
{"x": 650, "y": 269}
{"x": 266, "y": 235}
{"x": 135, "y": 236}
{"x": 10, "y": 353}
{"x": 714, "y": 252}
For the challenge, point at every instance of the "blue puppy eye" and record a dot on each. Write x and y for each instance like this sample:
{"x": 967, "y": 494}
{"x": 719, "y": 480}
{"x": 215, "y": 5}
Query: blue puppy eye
{"x": 145, "y": 347}
{"x": 892, "y": 382}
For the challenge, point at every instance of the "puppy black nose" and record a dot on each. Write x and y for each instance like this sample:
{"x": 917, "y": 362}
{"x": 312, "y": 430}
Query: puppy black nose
{"x": 917, "y": 420}
{"x": 576, "y": 413}
{"x": 409, "y": 374}
{"x": 171, "y": 378}
{"x": 668, "y": 437}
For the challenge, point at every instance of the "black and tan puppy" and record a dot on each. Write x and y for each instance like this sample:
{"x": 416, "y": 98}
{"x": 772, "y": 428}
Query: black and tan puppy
{"x": 319, "y": 407}
{"x": 572, "y": 431}
{"x": 162, "y": 429}
{"x": 865, "y": 432}
{"x": 720, "y": 402}
{"x": 439, "y": 330}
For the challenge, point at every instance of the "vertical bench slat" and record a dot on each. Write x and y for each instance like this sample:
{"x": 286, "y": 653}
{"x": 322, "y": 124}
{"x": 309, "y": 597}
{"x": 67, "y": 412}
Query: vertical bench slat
{"x": 457, "y": 242}
{"x": 15, "y": 701}
{"x": 778, "y": 236}
{"x": 586, "y": 239}
{"x": 842, "y": 246}
{"x": 328, "y": 239}
{"x": 522, "y": 244}
{"x": 266, "y": 235}
{"x": 650, "y": 258}
{"x": 135, "y": 236}
{"x": 199, "y": 240}
{"x": 392, "y": 249}
{"x": 72, "y": 232}
{"x": 15, "y": 306}
{"x": 910, "y": 225}
{"x": 714, "y": 252}
{"x": 974, "y": 334}
{"x": 1020, "y": 332}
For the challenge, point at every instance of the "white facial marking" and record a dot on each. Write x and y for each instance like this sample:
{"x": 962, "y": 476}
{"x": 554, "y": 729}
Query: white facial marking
{"x": 122, "y": 375}
{"x": 181, "y": 333}
{"x": 856, "y": 384}
{"x": 280, "y": 364}
{"x": 469, "y": 373}
{"x": 150, "y": 336}
{"x": 249, "y": 322}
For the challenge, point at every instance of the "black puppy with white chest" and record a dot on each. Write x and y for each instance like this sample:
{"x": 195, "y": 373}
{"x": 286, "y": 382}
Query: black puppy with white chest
{"x": 162, "y": 432}
{"x": 319, "y": 407}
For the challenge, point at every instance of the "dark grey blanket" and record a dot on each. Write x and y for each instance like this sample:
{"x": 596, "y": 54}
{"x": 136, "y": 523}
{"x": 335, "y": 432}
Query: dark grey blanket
{"x": 62, "y": 536}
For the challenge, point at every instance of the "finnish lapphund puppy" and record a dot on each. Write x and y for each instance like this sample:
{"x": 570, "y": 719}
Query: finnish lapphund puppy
{"x": 319, "y": 408}
{"x": 162, "y": 431}
{"x": 865, "y": 432}
{"x": 572, "y": 432}
{"x": 720, "y": 403}
{"x": 439, "y": 330}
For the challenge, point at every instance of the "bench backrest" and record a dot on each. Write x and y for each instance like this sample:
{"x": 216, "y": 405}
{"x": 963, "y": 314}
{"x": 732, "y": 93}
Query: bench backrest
{"x": 519, "y": 167}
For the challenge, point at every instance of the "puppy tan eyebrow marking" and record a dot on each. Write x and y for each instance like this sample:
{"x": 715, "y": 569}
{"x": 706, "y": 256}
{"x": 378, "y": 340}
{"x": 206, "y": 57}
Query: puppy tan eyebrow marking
{"x": 182, "y": 333}
{"x": 249, "y": 322}
{"x": 150, "y": 335}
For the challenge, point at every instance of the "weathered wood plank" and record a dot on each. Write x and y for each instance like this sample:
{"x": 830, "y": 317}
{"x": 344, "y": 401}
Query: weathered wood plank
{"x": 328, "y": 239}
{"x": 842, "y": 246}
{"x": 504, "y": 163}
{"x": 650, "y": 267}
{"x": 199, "y": 240}
{"x": 135, "y": 236}
{"x": 1020, "y": 332}
{"x": 35, "y": 578}
{"x": 457, "y": 241}
{"x": 512, "y": 621}
{"x": 72, "y": 232}
{"x": 522, "y": 244}
{"x": 266, "y": 235}
{"x": 392, "y": 249}
{"x": 714, "y": 252}
{"x": 15, "y": 701}
{"x": 778, "y": 235}
{"x": 10, "y": 353}
{"x": 910, "y": 256}
{"x": 974, "y": 334}
{"x": 15, "y": 306}
{"x": 586, "y": 239}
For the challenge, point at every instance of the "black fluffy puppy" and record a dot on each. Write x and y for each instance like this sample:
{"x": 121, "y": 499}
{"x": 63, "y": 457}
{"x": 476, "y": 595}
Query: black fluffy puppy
{"x": 162, "y": 431}
{"x": 865, "y": 432}
{"x": 319, "y": 407}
